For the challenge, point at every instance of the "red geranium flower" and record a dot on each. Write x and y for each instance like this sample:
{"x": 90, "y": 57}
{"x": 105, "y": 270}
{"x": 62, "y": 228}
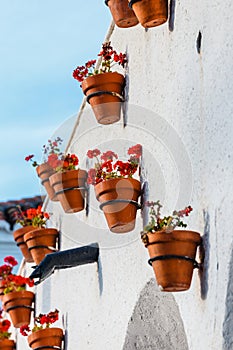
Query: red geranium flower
{"x": 29, "y": 157}
{"x": 41, "y": 322}
{"x": 10, "y": 260}
{"x": 16, "y": 283}
{"x": 24, "y": 330}
{"x": 135, "y": 150}
{"x": 109, "y": 58}
{"x": 33, "y": 217}
{"x": 106, "y": 169}
{"x": 4, "y": 327}
{"x": 109, "y": 155}
{"x": 6, "y": 268}
{"x": 93, "y": 153}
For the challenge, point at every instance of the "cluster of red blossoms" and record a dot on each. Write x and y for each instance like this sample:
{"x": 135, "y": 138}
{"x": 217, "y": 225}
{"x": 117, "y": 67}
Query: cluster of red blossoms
{"x": 42, "y": 321}
{"x": 109, "y": 58}
{"x": 4, "y": 327}
{"x": 105, "y": 168}
{"x": 33, "y": 216}
{"x": 15, "y": 283}
{"x": 81, "y": 72}
{"x": 64, "y": 162}
{"x": 6, "y": 268}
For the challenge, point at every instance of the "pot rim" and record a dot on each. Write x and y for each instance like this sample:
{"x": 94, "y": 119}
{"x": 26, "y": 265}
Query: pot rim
{"x": 9, "y": 341}
{"x": 57, "y": 176}
{"x": 20, "y": 231}
{"x": 15, "y": 295}
{"x": 97, "y": 78}
{"x": 40, "y": 232}
{"x": 39, "y": 334}
{"x": 174, "y": 235}
{"x": 109, "y": 183}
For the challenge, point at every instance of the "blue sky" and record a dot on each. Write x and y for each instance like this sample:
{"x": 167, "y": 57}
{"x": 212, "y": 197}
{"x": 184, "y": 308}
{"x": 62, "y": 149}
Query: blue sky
{"x": 41, "y": 42}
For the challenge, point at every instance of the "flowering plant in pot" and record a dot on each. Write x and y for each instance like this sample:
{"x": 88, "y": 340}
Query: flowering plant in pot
{"x": 5, "y": 342}
{"x": 150, "y": 13}
{"x": 17, "y": 301}
{"x": 40, "y": 240}
{"x": 41, "y": 335}
{"x": 68, "y": 182}
{"x": 103, "y": 87}
{"x": 122, "y": 14}
{"x": 34, "y": 221}
{"x": 44, "y": 170}
{"x": 6, "y": 270}
{"x": 115, "y": 187}
{"x": 172, "y": 252}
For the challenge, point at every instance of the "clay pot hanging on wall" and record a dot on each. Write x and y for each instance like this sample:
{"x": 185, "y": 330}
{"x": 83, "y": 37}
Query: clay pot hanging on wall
{"x": 70, "y": 189}
{"x": 150, "y": 13}
{"x": 41, "y": 242}
{"x": 105, "y": 93}
{"x": 44, "y": 171}
{"x": 7, "y": 344}
{"x": 123, "y": 16}
{"x": 19, "y": 239}
{"x": 119, "y": 202}
{"x": 46, "y": 339}
{"x": 19, "y": 307}
{"x": 1, "y": 290}
{"x": 172, "y": 256}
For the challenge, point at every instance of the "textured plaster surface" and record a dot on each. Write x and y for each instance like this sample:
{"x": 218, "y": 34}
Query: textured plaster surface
{"x": 180, "y": 109}
{"x": 155, "y": 323}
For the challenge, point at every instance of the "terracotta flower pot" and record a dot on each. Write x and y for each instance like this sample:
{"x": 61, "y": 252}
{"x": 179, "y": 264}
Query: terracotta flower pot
{"x": 7, "y": 344}
{"x": 41, "y": 242}
{"x": 44, "y": 171}
{"x": 122, "y": 15}
{"x": 18, "y": 305}
{"x": 1, "y": 290}
{"x": 106, "y": 107}
{"x": 46, "y": 338}
{"x": 19, "y": 239}
{"x": 70, "y": 189}
{"x": 119, "y": 213}
{"x": 178, "y": 250}
{"x": 150, "y": 13}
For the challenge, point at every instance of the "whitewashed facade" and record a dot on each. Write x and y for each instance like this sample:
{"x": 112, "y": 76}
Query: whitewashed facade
{"x": 180, "y": 109}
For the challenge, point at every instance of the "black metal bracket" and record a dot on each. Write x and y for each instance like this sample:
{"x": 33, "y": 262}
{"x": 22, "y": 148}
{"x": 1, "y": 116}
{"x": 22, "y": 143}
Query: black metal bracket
{"x": 133, "y": 2}
{"x": 20, "y": 243}
{"x": 42, "y": 246}
{"x": 70, "y": 189}
{"x": 44, "y": 180}
{"x": 120, "y": 201}
{"x": 19, "y": 307}
{"x": 99, "y": 93}
{"x": 48, "y": 347}
{"x": 64, "y": 260}
{"x": 173, "y": 256}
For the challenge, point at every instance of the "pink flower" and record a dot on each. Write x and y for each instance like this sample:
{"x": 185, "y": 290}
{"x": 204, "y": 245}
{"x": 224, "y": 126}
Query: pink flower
{"x": 91, "y": 177}
{"x": 93, "y": 153}
{"x": 135, "y": 150}
{"x": 109, "y": 155}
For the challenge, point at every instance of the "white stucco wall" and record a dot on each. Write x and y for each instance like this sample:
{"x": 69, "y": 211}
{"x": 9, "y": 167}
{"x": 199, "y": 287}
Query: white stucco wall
{"x": 180, "y": 110}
